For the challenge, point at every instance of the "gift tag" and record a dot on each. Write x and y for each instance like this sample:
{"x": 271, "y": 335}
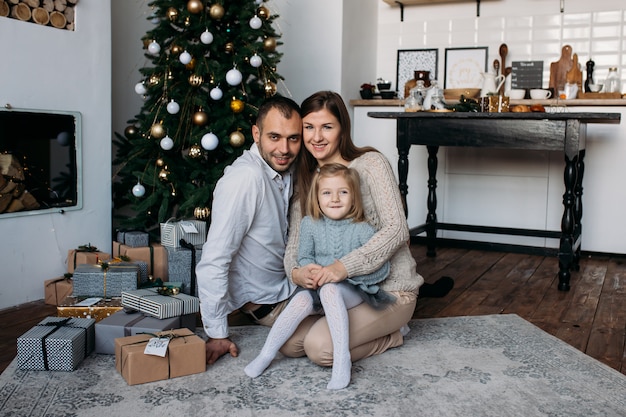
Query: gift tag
{"x": 188, "y": 227}
{"x": 157, "y": 346}
{"x": 87, "y": 302}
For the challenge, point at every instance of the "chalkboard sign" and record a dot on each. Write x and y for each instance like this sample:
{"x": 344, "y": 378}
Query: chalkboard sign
{"x": 527, "y": 74}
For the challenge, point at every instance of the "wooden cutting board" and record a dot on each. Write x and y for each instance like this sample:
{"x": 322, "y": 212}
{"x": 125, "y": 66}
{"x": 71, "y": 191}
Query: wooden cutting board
{"x": 560, "y": 68}
{"x": 575, "y": 75}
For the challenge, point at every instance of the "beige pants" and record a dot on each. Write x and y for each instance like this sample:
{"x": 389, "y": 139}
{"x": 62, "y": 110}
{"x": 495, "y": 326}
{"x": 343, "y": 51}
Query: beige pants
{"x": 371, "y": 331}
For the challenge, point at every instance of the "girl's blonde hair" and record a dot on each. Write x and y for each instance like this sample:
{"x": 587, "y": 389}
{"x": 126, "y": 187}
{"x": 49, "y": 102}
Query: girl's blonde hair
{"x": 352, "y": 178}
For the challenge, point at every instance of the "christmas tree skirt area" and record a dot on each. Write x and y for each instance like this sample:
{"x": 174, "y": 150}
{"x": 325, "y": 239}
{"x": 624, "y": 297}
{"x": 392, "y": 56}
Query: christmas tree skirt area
{"x": 497, "y": 365}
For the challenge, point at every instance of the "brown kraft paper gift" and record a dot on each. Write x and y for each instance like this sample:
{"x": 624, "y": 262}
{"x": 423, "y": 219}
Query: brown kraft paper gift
{"x": 186, "y": 355}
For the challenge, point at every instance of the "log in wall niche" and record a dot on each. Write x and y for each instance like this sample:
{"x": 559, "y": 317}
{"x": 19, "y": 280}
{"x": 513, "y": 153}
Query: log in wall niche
{"x": 55, "y": 13}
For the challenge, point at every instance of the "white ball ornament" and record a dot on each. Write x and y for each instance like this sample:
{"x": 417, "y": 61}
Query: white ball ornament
{"x": 63, "y": 138}
{"x": 185, "y": 58}
{"x": 139, "y": 190}
{"x": 216, "y": 93}
{"x": 206, "y": 37}
{"x": 256, "y": 61}
{"x": 173, "y": 107}
{"x": 140, "y": 88}
{"x": 154, "y": 48}
{"x": 166, "y": 143}
{"x": 209, "y": 141}
{"x": 255, "y": 22}
{"x": 234, "y": 77}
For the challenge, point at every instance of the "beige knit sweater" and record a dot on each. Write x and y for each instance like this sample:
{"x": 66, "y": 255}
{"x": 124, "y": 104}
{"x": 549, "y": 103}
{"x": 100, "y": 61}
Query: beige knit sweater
{"x": 384, "y": 211}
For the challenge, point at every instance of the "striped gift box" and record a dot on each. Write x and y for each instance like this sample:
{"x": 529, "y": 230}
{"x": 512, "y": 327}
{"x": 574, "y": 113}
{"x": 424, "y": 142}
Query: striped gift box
{"x": 150, "y": 302}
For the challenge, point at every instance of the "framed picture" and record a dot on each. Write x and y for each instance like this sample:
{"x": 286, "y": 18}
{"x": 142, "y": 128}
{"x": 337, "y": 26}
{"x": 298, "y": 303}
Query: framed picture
{"x": 465, "y": 66}
{"x": 411, "y": 60}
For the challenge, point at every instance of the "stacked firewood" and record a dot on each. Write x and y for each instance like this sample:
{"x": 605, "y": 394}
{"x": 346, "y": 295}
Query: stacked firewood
{"x": 56, "y": 13}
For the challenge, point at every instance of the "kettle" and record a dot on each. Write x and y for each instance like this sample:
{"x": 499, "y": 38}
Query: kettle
{"x": 491, "y": 83}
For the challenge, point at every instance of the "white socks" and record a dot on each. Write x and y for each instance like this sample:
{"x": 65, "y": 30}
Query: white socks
{"x": 336, "y": 300}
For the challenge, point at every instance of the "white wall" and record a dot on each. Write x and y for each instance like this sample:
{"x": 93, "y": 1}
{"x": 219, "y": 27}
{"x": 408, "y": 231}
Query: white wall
{"x": 47, "y": 68}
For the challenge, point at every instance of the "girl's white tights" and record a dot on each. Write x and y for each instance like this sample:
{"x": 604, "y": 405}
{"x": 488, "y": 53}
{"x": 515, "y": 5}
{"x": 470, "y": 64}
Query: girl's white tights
{"x": 336, "y": 301}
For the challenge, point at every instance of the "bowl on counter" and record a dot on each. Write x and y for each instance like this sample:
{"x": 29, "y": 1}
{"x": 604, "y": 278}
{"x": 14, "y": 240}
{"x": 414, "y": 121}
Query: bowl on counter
{"x": 388, "y": 94}
{"x": 595, "y": 88}
{"x": 456, "y": 93}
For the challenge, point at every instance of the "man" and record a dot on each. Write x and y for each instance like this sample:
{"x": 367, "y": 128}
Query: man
{"x": 242, "y": 260}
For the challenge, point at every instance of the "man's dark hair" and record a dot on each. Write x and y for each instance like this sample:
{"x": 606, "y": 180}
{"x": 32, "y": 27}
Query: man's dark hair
{"x": 284, "y": 105}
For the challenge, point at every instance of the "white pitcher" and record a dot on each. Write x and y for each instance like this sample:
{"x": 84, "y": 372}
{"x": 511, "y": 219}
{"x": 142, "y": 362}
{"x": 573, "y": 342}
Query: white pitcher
{"x": 491, "y": 83}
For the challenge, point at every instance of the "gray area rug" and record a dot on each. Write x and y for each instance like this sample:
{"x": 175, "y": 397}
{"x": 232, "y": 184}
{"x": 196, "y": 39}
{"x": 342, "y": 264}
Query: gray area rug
{"x": 497, "y": 365}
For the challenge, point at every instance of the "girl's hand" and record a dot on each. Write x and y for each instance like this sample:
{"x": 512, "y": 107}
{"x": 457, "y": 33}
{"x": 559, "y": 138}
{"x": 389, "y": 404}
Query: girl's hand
{"x": 335, "y": 272}
{"x": 304, "y": 276}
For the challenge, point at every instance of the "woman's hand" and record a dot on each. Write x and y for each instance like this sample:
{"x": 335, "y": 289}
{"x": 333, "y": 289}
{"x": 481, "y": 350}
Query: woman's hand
{"x": 335, "y": 272}
{"x": 303, "y": 277}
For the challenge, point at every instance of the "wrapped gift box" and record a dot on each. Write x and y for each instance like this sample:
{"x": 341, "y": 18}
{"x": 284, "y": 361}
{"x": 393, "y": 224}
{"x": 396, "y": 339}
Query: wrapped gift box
{"x": 185, "y": 355}
{"x": 122, "y": 324}
{"x": 154, "y": 255}
{"x": 56, "y": 289}
{"x": 83, "y": 307}
{"x": 134, "y": 239}
{"x": 56, "y": 344}
{"x": 181, "y": 266}
{"x": 150, "y": 302}
{"x": 192, "y": 231}
{"x": 96, "y": 281}
{"x": 89, "y": 256}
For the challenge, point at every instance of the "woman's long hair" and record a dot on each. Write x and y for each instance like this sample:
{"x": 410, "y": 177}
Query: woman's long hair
{"x": 307, "y": 164}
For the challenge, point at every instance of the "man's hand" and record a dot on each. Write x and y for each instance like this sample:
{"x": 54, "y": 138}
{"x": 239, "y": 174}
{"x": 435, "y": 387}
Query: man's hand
{"x": 216, "y": 348}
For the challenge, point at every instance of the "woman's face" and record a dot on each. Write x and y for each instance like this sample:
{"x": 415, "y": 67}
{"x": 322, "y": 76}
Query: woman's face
{"x": 321, "y": 132}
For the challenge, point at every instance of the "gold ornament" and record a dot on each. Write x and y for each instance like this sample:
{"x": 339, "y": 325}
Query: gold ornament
{"x": 236, "y": 105}
{"x": 130, "y": 131}
{"x": 195, "y": 80}
{"x": 146, "y": 42}
{"x": 191, "y": 65}
{"x": 160, "y": 162}
{"x": 237, "y": 139}
{"x": 176, "y": 50}
{"x": 263, "y": 12}
{"x": 229, "y": 47}
{"x": 172, "y": 14}
{"x": 270, "y": 88}
{"x": 195, "y": 151}
{"x": 195, "y": 6}
{"x": 216, "y": 11}
{"x": 201, "y": 213}
{"x": 154, "y": 80}
{"x": 163, "y": 174}
{"x": 269, "y": 44}
{"x": 200, "y": 118}
{"x": 157, "y": 131}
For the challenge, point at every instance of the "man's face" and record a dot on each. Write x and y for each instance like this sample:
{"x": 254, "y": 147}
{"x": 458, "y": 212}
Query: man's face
{"x": 279, "y": 139}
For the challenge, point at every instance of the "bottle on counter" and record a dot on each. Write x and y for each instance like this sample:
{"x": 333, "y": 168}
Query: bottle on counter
{"x": 612, "y": 83}
{"x": 415, "y": 100}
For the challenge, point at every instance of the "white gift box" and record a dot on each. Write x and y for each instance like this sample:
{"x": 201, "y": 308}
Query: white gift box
{"x": 193, "y": 231}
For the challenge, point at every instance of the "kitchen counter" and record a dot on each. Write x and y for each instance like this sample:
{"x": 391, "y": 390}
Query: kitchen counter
{"x": 551, "y": 102}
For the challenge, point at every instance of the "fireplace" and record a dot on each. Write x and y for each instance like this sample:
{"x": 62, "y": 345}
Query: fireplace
{"x": 40, "y": 162}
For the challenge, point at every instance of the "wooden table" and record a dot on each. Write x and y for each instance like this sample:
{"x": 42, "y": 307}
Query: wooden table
{"x": 565, "y": 132}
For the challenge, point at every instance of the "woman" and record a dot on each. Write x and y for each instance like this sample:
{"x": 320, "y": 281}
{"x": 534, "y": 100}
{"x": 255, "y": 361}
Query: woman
{"x": 326, "y": 137}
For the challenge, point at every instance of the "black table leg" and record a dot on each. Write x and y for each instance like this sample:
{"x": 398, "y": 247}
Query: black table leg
{"x": 403, "y": 144}
{"x": 431, "y": 217}
{"x": 578, "y": 208}
{"x": 566, "y": 246}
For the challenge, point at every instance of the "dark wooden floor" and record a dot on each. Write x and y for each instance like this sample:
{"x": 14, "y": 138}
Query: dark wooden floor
{"x": 591, "y": 316}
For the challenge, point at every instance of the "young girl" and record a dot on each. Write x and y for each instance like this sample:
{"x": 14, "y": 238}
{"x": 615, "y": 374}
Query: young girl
{"x": 334, "y": 226}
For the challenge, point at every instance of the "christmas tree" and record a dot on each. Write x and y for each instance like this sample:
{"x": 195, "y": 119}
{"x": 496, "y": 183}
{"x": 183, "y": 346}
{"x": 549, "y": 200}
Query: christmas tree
{"x": 213, "y": 64}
